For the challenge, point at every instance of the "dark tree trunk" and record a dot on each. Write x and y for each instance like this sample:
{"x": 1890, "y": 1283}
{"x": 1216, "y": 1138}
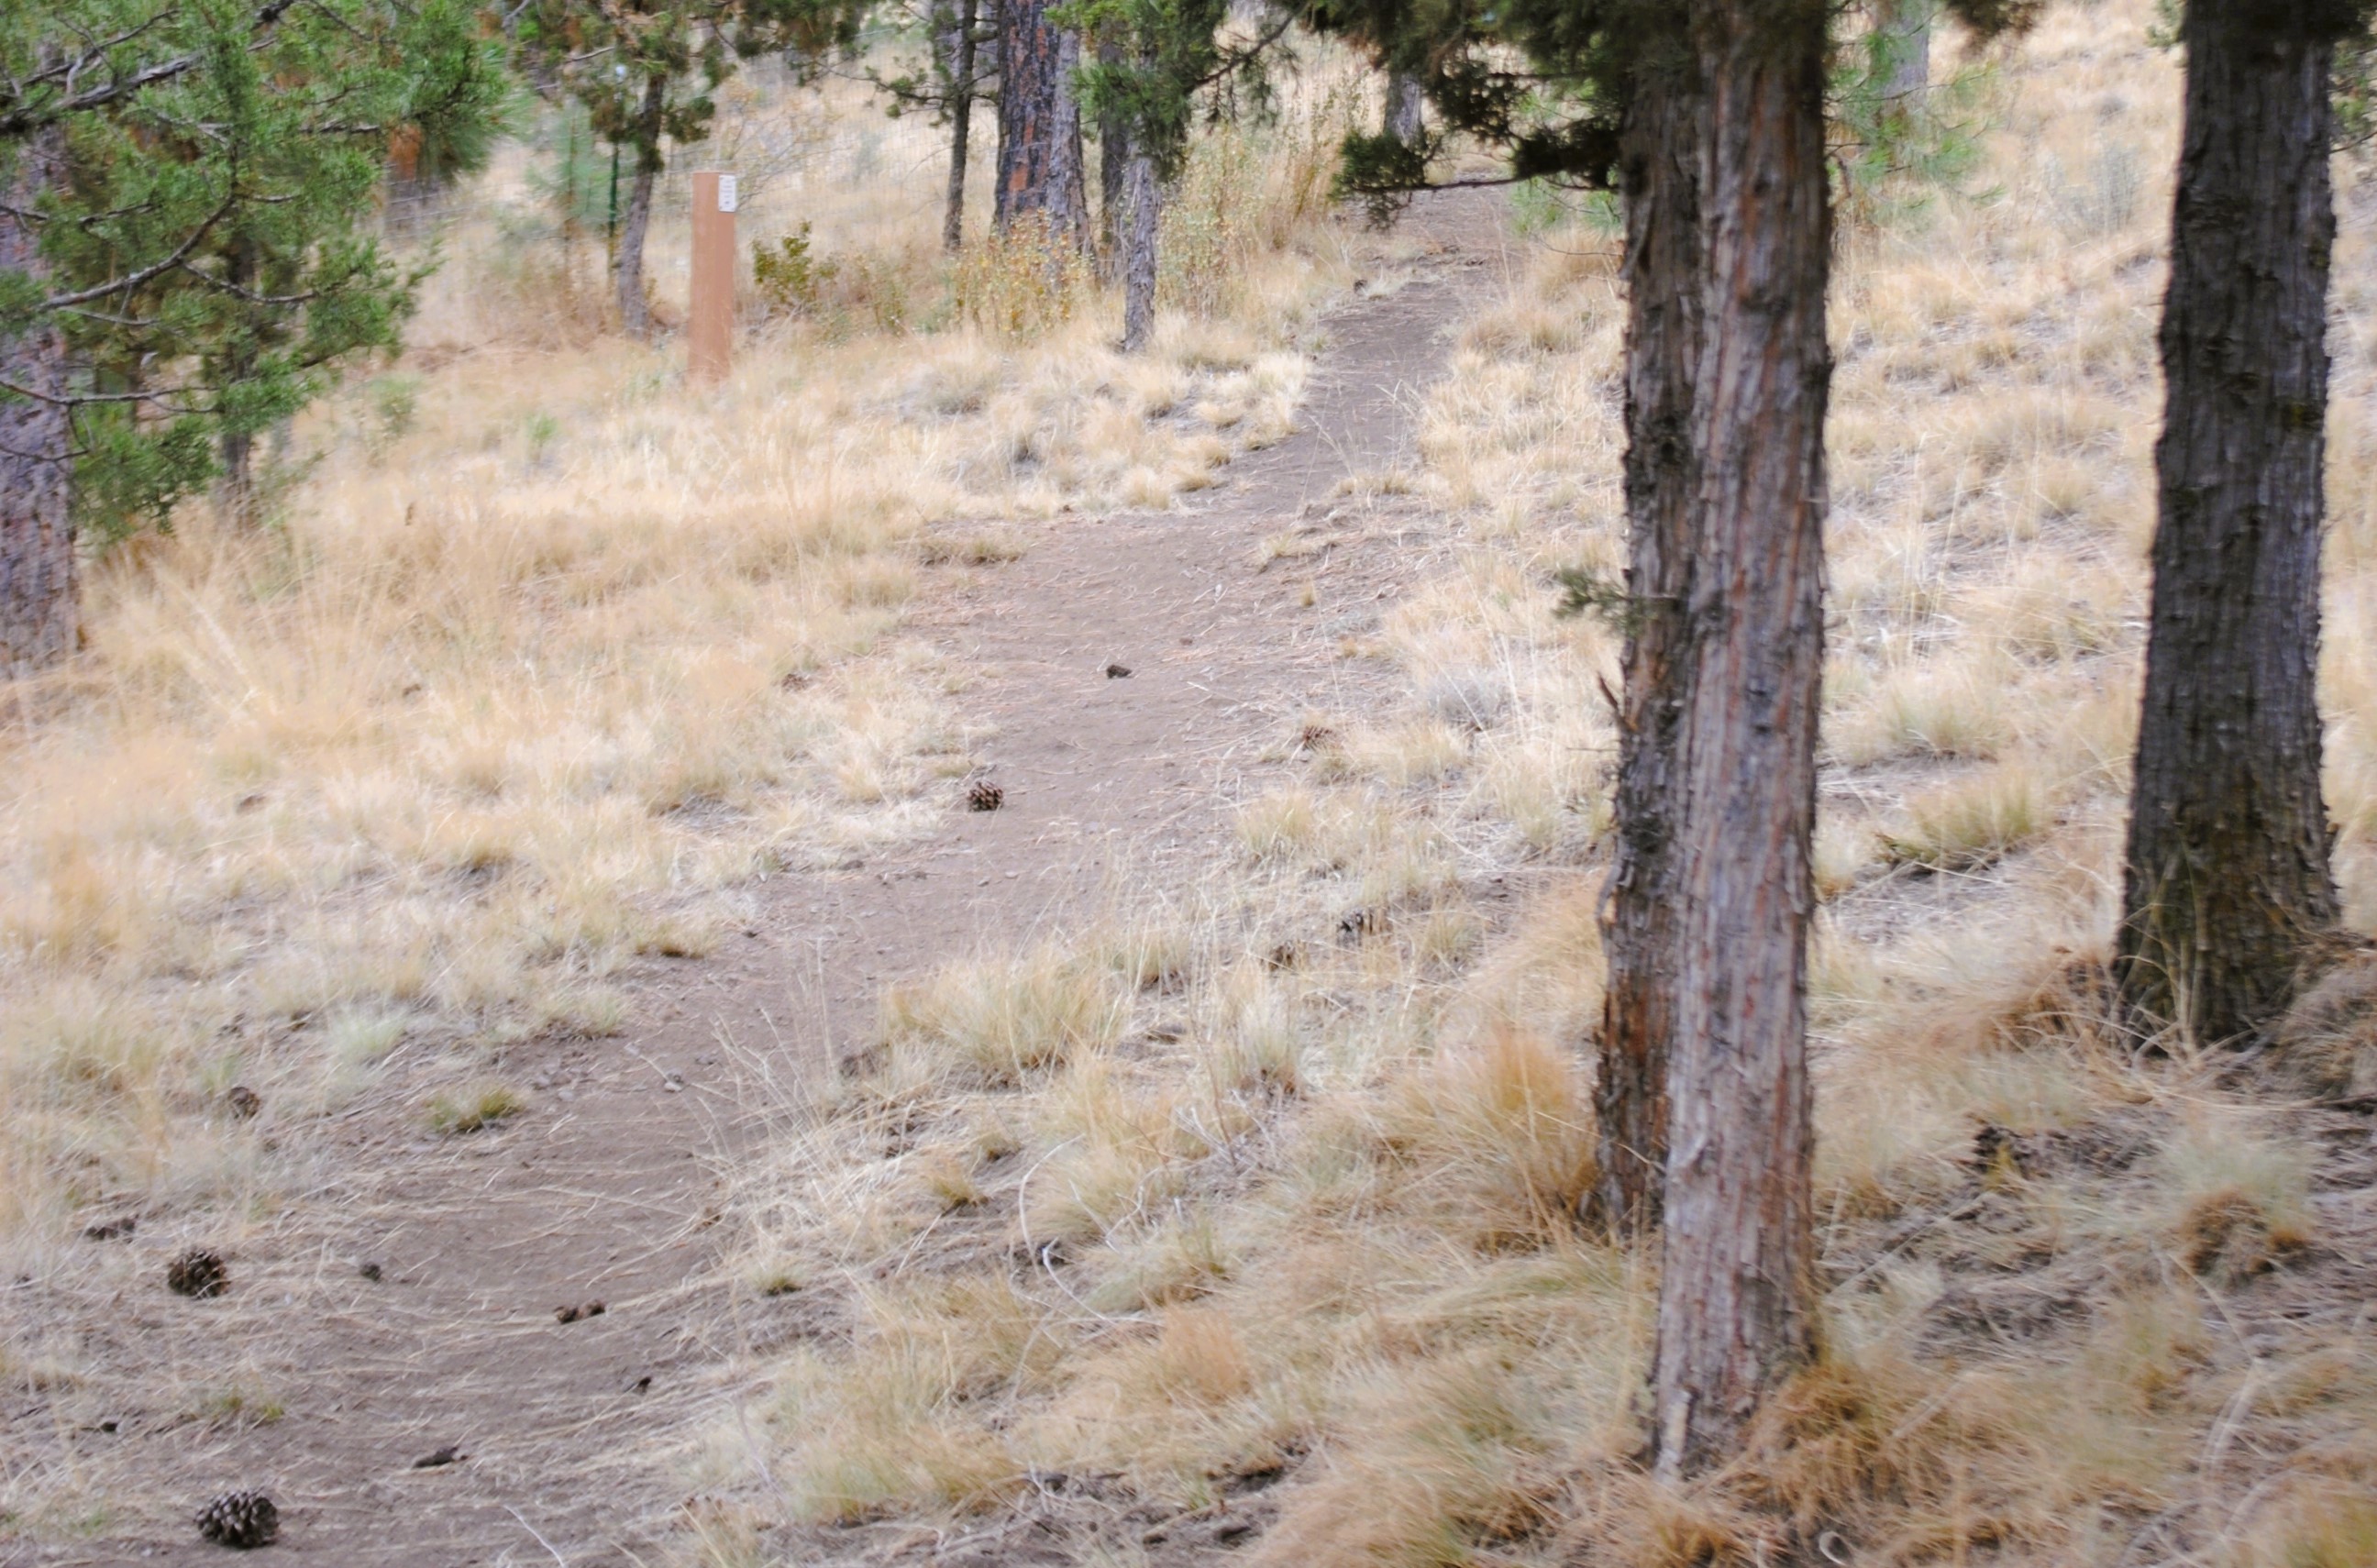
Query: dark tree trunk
{"x": 1113, "y": 177}
{"x": 2227, "y": 865}
{"x": 237, "y": 448}
{"x": 40, "y": 621}
{"x": 1906, "y": 25}
{"x": 1659, "y": 176}
{"x": 1145, "y": 192}
{"x": 1402, "y": 118}
{"x": 1039, "y": 124}
{"x": 1735, "y": 1286}
{"x": 634, "y": 315}
{"x": 961, "y": 126}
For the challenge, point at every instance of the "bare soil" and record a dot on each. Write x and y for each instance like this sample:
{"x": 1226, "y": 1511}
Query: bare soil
{"x": 404, "y": 1303}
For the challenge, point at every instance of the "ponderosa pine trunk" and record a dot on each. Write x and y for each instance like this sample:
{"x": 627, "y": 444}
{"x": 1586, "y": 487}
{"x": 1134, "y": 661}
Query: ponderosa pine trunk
{"x": 1039, "y": 124}
{"x": 1659, "y": 184}
{"x": 40, "y": 613}
{"x": 635, "y": 316}
{"x": 1144, "y": 193}
{"x": 961, "y": 126}
{"x": 1736, "y": 1311}
{"x": 1400, "y": 119}
{"x": 2227, "y": 866}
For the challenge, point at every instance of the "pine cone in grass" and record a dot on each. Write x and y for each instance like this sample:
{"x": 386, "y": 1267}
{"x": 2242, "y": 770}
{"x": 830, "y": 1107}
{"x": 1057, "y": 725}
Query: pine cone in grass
{"x": 241, "y": 1520}
{"x": 985, "y": 796}
{"x": 197, "y": 1272}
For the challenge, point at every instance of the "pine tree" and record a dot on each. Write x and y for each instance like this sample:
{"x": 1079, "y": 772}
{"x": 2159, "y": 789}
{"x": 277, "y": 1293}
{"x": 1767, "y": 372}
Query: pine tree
{"x": 957, "y": 72}
{"x": 1156, "y": 59}
{"x": 186, "y": 246}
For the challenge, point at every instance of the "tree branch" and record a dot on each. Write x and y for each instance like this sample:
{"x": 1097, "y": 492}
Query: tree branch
{"x": 22, "y": 119}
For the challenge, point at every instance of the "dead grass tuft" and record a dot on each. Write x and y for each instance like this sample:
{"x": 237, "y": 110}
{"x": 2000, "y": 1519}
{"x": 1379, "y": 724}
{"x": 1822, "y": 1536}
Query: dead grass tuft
{"x": 473, "y": 1106}
{"x": 999, "y": 1020}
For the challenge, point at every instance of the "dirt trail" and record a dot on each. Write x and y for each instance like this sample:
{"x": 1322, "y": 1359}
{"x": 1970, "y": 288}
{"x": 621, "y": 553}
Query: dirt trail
{"x": 605, "y": 1190}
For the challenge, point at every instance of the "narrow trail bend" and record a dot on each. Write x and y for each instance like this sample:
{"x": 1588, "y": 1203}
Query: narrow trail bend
{"x": 606, "y": 1190}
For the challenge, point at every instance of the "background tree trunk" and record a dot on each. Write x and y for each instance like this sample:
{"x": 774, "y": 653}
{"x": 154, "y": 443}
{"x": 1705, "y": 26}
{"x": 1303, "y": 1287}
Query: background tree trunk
{"x": 1659, "y": 179}
{"x": 1405, "y": 101}
{"x": 1907, "y": 26}
{"x": 1735, "y": 1288}
{"x": 236, "y": 448}
{"x": 960, "y": 126}
{"x": 1039, "y": 124}
{"x": 2227, "y": 865}
{"x": 633, "y": 314}
{"x": 1145, "y": 192}
{"x": 1114, "y": 178}
{"x": 40, "y": 614}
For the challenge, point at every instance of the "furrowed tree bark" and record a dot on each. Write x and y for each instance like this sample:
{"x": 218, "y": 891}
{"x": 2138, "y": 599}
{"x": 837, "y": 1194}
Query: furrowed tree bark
{"x": 2228, "y": 863}
{"x": 1145, "y": 194}
{"x": 1405, "y": 101}
{"x": 960, "y": 126}
{"x": 1039, "y": 124}
{"x": 634, "y": 315}
{"x": 1659, "y": 184}
{"x": 40, "y": 613}
{"x": 1735, "y": 1295}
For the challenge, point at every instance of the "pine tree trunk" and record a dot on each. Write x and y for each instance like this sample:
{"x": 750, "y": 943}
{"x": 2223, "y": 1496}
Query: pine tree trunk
{"x": 961, "y": 127}
{"x": 2227, "y": 865}
{"x": 1907, "y": 24}
{"x": 40, "y": 614}
{"x": 634, "y": 315}
{"x": 1040, "y": 124}
{"x": 1145, "y": 194}
{"x": 236, "y": 448}
{"x": 1659, "y": 176}
{"x": 1114, "y": 178}
{"x": 1735, "y": 1295}
{"x": 1405, "y": 100}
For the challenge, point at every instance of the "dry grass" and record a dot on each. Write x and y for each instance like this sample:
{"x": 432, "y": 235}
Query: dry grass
{"x": 1306, "y": 1216}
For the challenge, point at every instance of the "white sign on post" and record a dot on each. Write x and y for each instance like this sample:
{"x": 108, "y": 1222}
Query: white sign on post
{"x": 726, "y": 193}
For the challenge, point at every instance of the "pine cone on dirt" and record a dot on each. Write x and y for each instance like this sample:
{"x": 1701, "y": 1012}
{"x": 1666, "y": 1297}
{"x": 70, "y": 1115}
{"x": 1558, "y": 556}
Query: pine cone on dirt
{"x": 986, "y": 796}
{"x": 197, "y": 1272}
{"x": 241, "y": 1520}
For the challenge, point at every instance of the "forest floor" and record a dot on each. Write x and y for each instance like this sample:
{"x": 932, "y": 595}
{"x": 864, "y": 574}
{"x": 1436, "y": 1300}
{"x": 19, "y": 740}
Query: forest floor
{"x": 438, "y": 1410}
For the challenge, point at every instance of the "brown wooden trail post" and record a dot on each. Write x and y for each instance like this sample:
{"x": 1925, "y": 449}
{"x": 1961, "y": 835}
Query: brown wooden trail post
{"x": 710, "y": 336}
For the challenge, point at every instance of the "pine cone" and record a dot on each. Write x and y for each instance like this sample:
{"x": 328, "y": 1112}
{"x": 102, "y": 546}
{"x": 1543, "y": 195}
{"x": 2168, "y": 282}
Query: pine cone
{"x": 241, "y": 1520}
{"x": 197, "y": 1272}
{"x": 985, "y": 796}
